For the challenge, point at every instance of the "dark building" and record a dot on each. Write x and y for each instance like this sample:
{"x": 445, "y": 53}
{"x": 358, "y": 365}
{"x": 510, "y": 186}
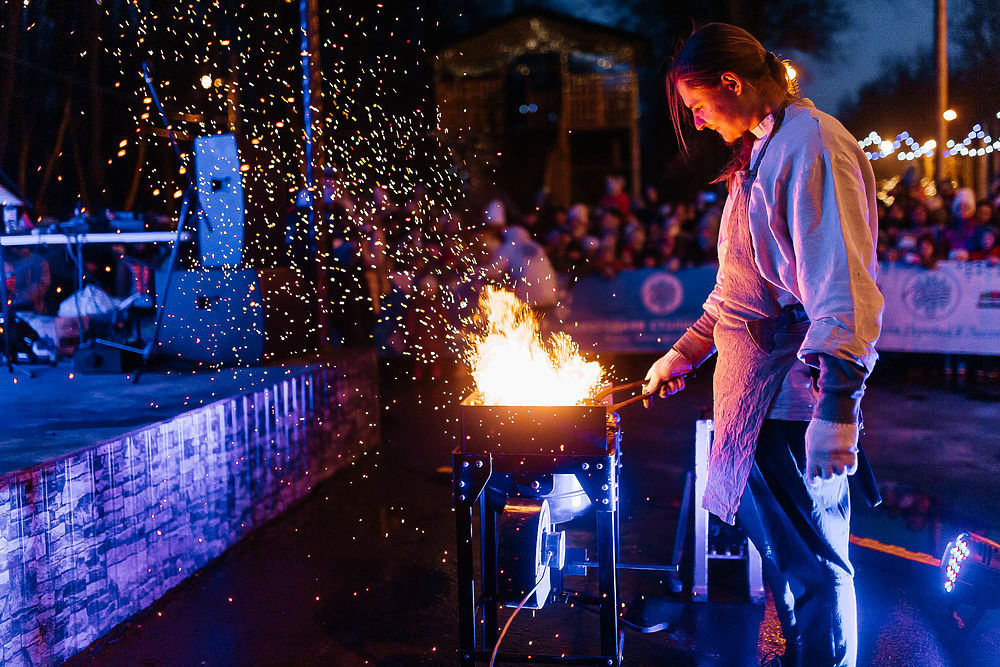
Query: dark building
{"x": 554, "y": 98}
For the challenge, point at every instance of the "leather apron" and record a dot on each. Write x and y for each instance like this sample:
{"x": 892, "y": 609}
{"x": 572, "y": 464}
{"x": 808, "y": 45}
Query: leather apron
{"x": 747, "y": 377}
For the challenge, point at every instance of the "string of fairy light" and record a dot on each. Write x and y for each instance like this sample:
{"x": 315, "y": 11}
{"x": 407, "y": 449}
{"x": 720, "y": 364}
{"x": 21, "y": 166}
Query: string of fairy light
{"x": 907, "y": 149}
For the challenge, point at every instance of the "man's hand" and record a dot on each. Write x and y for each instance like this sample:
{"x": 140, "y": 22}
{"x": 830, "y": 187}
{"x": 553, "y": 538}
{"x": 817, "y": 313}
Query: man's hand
{"x": 831, "y": 449}
{"x": 666, "y": 375}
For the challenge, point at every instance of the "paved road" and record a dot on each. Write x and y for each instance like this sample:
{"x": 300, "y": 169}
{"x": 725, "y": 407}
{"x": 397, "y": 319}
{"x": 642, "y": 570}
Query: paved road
{"x": 363, "y": 571}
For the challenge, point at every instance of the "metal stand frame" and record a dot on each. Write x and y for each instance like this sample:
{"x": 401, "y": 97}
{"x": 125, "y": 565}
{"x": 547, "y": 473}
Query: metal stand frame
{"x": 190, "y": 206}
{"x": 702, "y": 550}
{"x": 598, "y": 475}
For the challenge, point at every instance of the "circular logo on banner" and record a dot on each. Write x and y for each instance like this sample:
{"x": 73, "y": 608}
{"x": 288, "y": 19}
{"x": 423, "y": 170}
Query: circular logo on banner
{"x": 931, "y": 295}
{"x": 662, "y": 293}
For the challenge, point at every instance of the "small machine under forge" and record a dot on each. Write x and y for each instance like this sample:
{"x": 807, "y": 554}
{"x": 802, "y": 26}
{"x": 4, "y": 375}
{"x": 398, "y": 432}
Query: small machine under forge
{"x": 531, "y": 468}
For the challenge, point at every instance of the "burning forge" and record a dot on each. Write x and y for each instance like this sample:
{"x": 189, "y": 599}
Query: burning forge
{"x": 512, "y": 365}
{"x": 536, "y": 451}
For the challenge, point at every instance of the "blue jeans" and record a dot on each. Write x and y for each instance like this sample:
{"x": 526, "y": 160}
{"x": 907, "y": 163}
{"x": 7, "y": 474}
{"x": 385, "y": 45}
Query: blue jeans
{"x": 802, "y": 534}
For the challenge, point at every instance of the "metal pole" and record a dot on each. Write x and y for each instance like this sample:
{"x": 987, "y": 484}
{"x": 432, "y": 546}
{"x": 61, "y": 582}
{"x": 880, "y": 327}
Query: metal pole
{"x": 607, "y": 551}
{"x": 8, "y": 326}
{"x": 488, "y": 558}
{"x": 702, "y": 442}
{"x": 941, "y": 65}
{"x": 307, "y": 100}
{"x": 309, "y": 19}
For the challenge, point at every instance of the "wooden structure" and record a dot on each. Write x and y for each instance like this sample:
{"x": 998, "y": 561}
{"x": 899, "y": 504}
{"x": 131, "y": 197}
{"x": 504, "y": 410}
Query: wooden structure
{"x": 556, "y": 97}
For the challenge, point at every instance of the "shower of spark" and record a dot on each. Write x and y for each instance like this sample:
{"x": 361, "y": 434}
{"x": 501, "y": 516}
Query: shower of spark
{"x": 396, "y": 189}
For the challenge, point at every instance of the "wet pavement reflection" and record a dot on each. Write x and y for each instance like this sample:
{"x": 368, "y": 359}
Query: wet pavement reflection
{"x": 363, "y": 571}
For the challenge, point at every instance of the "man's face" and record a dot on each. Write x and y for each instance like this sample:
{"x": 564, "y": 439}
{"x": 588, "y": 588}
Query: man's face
{"x": 715, "y": 109}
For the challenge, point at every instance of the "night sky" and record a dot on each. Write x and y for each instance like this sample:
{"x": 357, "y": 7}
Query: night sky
{"x": 884, "y": 31}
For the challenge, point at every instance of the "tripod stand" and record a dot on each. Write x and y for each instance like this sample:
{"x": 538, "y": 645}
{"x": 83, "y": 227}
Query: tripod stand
{"x": 8, "y": 189}
{"x": 190, "y": 207}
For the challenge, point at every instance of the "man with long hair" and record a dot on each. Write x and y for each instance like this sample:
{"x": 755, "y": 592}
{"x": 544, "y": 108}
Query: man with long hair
{"x": 794, "y": 317}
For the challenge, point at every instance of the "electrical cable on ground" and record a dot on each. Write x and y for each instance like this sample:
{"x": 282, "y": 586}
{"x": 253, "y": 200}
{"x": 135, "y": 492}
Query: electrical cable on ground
{"x": 507, "y": 624}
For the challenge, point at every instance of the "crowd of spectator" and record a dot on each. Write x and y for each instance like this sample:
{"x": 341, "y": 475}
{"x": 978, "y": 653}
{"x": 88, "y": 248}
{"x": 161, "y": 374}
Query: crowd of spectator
{"x": 433, "y": 256}
{"x": 920, "y": 230}
{"x": 613, "y": 232}
{"x": 431, "y": 253}
{"x": 617, "y": 232}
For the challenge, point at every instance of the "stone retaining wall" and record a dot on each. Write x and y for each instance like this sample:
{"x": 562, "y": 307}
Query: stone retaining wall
{"x": 92, "y": 538}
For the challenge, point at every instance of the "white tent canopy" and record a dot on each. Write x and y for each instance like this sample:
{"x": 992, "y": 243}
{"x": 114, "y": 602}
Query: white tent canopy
{"x": 8, "y": 198}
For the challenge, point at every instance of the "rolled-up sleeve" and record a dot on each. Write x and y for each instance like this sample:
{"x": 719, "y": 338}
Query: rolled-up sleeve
{"x": 698, "y": 343}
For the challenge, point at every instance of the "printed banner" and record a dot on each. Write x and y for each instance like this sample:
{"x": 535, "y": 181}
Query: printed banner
{"x": 953, "y": 309}
{"x": 640, "y": 310}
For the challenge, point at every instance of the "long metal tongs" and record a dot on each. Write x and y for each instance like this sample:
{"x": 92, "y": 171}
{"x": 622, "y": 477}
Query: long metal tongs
{"x": 622, "y": 387}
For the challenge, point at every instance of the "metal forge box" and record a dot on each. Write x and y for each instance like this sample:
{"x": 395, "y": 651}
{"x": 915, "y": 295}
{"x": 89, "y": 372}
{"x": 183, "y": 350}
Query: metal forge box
{"x": 530, "y": 468}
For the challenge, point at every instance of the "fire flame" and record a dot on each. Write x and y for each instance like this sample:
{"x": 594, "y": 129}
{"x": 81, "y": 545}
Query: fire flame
{"x": 512, "y": 365}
